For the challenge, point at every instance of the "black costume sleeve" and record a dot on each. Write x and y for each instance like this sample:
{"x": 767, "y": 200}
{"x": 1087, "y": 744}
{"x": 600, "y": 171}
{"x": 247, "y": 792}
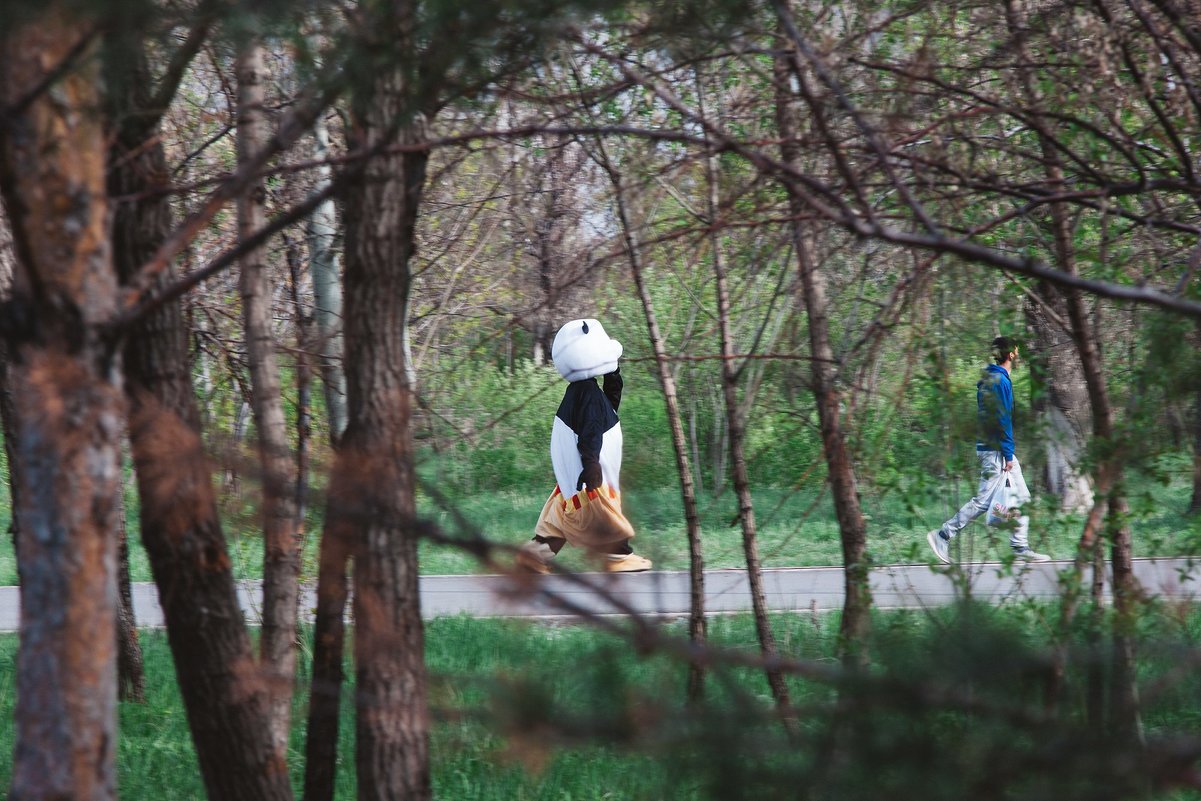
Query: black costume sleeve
{"x": 590, "y": 423}
{"x": 613, "y": 386}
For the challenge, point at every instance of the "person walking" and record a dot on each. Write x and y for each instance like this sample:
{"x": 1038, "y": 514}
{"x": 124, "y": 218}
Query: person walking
{"x": 585, "y": 447}
{"x": 995, "y": 450}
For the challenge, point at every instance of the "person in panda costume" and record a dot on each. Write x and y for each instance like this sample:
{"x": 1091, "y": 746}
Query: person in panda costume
{"x": 585, "y": 450}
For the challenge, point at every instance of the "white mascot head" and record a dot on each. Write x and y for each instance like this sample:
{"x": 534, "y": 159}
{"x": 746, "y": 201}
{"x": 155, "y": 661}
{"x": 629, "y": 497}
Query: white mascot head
{"x": 582, "y": 350}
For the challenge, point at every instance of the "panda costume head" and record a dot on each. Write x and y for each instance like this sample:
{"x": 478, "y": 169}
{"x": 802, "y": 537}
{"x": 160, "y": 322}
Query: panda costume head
{"x": 582, "y": 350}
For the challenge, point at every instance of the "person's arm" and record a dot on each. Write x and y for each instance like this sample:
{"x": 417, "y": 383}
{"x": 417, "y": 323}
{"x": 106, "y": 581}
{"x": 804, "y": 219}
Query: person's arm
{"x": 613, "y": 386}
{"x": 589, "y": 427}
{"x": 1004, "y": 390}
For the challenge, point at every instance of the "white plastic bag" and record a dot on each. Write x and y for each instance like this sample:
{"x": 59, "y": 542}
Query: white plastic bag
{"x": 1005, "y": 500}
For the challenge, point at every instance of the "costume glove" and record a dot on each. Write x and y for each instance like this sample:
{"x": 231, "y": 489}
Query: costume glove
{"x": 590, "y": 476}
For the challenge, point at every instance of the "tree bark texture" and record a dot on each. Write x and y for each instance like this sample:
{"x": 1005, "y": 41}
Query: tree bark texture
{"x": 375, "y": 474}
{"x": 697, "y": 629}
{"x": 1194, "y": 506}
{"x": 131, "y": 669}
{"x": 329, "y": 637}
{"x": 1062, "y": 404}
{"x": 736, "y": 430}
{"x": 224, "y": 693}
{"x": 327, "y": 291}
{"x": 65, "y": 380}
{"x": 1108, "y": 486}
{"x": 281, "y": 524}
{"x": 856, "y": 611}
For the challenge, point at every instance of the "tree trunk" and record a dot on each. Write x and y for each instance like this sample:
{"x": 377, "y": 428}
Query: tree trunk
{"x": 1124, "y": 699}
{"x": 8, "y": 422}
{"x": 304, "y": 384}
{"x": 327, "y": 291}
{"x": 1107, "y": 485}
{"x": 225, "y": 698}
{"x": 856, "y": 611}
{"x": 329, "y": 637}
{"x": 697, "y": 629}
{"x": 735, "y": 431}
{"x": 1194, "y": 506}
{"x": 65, "y": 379}
{"x": 281, "y": 527}
{"x": 375, "y": 479}
{"x": 1063, "y": 402}
{"x": 131, "y": 671}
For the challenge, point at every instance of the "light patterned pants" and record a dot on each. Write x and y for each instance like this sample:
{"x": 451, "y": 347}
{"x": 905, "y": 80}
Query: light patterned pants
{"x": 992, "y": 463}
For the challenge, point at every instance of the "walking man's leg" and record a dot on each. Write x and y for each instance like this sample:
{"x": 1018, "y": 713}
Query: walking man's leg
{"x": 940, "y": 538}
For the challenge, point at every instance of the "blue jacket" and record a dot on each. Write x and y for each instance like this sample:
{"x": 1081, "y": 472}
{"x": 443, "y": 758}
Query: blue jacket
{"x": 994, "y": 411}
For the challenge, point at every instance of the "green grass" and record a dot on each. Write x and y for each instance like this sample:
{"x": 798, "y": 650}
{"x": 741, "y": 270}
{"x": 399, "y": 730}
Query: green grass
{"x": 505, "y": 693}
{"x": 477, "y": 666}
{"x": 795, "y": 527}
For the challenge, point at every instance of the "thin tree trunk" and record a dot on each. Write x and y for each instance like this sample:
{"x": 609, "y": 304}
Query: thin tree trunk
{"x": 281, "y": 529}
{"x": 131, "y": 671}
{"x": 333, "y": 554}
{"x": 697, "y": 632}
{"x": 856, "y": 611}
{"x": 8, "y": 422}
{"x": 329, "y": 637}
{"x": 327, "y": 291}
{"x": 1124, "y": 699}
{"x": 1194, "y": 506}
{"x": 735, "y": 430}
{"x": 65, "y": 380}
{"x": 226, "y": 701}
{"x": 304, "y": 384}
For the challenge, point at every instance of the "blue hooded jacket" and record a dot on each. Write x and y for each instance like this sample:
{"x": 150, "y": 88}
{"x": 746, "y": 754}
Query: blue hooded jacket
{"x": 994, "y": 411}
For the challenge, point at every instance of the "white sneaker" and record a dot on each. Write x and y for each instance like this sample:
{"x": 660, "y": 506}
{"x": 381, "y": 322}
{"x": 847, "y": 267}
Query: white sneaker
{"x": 940, "y": 545}
{"x": 1030, "y": 555}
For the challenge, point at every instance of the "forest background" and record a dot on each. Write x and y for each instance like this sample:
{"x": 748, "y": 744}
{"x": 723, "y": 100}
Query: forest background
{"x": 328, "y": 248}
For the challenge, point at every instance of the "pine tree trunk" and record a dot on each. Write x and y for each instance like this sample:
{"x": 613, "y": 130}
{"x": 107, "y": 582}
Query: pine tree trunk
{"x": 281, "y": 526}
{"x": 225, "y": 699}
{"x": 67, "y": 410}
{"x": 374, "y": 485}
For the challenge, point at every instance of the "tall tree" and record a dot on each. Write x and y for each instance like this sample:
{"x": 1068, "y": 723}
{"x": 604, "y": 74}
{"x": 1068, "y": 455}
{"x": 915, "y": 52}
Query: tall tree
{"x": 852, "y": 527}
{"x": 392, "y": 721}
{"x": 1111, "y": 503}
{"x": 65, "y": 378}
{"x": 1062, "y": 401}
{"x": 697, "y": 628}
{"x": 325, "y": 270}
{"x": 225, "y": 699}
{"x": 736, "y": 426}
{"x": 281, "y": 521}
{"x": 372, "y": 512}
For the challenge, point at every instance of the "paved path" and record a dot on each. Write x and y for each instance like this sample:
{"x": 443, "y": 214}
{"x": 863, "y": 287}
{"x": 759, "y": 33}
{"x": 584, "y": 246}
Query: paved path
{"x": 666, "y": 592}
